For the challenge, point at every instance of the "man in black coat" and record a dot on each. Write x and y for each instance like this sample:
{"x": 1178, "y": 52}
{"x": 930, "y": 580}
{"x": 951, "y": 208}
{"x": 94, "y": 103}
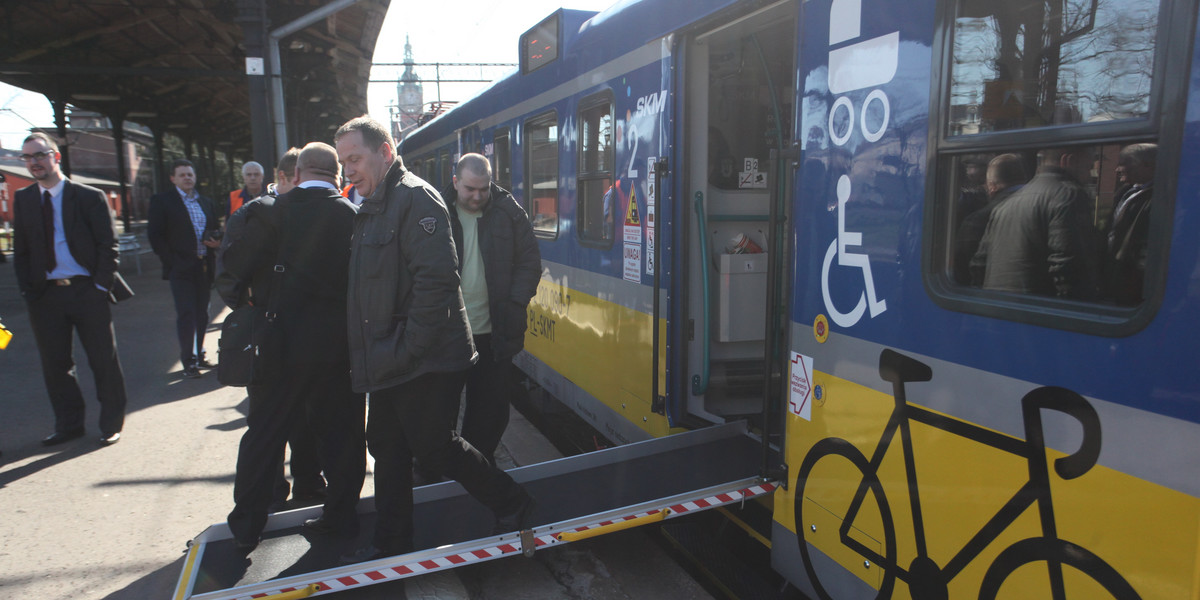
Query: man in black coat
{"x": 1127, "y": 240}
{"x": 182, "y": 229}
{"x": 65, "y": 253}
{"x": 304, "y": 371}
{"x": 500, "y": 266}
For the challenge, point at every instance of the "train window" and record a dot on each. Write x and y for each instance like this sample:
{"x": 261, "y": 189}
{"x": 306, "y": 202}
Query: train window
{"x": 445, "y": 170}
{"x": 541, "y": 160}
{"x": 1068, "y": 222}
{"x": 1027, "y": 64}
{"x": 1047, "y": 157}
{"x": 595, "y": 178}
{"x": 502, "y": 159}
{"x": 539, "y": 46}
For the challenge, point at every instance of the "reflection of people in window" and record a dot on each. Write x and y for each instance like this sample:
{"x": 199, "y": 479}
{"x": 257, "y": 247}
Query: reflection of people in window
{"x": 1005, "y": 174}
{"x": 1131, "y": 224}
{"x": 1041, "y": 240}
{"x": 606, "y": 231}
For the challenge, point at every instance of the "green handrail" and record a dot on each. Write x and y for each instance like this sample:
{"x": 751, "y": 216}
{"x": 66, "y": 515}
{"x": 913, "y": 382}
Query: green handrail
{"x": 700, "y": 381}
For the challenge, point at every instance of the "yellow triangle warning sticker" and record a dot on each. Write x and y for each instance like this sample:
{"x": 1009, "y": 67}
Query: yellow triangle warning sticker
{"x": 632, "y": 218}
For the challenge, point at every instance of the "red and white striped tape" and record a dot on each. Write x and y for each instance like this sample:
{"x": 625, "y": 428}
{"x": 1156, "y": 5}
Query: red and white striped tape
{"x": 453, "y": 560}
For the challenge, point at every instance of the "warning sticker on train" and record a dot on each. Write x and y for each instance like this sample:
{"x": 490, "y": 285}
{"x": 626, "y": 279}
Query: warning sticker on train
{"x": 800, "y": 401}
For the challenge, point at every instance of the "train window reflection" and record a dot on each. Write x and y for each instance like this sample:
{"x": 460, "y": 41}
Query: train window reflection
{"x": 502, "y": 161}
{"x": 595, "y": 180}
{"x": 541, "y": 160}
{"x": 1066, "y": 222}
{"x": 1027, "y": 64}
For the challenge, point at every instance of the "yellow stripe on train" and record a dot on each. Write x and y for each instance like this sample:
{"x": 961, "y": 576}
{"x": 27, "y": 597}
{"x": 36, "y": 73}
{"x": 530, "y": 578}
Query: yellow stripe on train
{"x": 600, "y": 346}
{"x": 1144, "y": 532}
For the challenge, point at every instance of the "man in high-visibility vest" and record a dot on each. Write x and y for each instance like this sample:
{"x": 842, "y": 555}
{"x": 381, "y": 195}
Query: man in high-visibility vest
{"x": 252, "y": 176}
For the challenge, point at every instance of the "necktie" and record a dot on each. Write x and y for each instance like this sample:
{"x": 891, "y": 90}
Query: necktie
{"x": 48, "y": 224}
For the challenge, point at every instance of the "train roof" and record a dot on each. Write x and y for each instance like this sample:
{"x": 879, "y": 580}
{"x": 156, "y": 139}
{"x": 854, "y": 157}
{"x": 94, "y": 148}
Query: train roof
{"x": 588, "y": 40}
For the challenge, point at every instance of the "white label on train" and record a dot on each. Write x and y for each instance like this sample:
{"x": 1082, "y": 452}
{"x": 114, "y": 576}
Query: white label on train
{"x": 800, "y": 402}
{"x": 633, "y": 263}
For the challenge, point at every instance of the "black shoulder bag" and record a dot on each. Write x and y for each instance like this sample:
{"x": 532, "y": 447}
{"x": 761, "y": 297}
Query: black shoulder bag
{"x": 243, "y": 330}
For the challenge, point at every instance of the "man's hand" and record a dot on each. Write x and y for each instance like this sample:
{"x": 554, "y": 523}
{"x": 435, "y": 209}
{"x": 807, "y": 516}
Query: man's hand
{"x": 212, "y": 243}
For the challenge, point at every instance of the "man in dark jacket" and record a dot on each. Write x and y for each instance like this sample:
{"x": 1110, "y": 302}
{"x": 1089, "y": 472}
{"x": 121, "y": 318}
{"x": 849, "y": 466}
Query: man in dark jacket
{"x": 65, "y": 254}
{"x": 182, "y": 227}
{"x": 500, "y": 269}
{"x": 305, "y": 362}
{"x": 1130, "y": 232}
{"x": 1041, "y": 240}
{"x": 1005, "y": 175}
{"x": 410, "y": 345}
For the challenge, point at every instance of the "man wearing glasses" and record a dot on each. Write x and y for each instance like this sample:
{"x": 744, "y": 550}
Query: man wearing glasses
{"x": 65, "y": 253}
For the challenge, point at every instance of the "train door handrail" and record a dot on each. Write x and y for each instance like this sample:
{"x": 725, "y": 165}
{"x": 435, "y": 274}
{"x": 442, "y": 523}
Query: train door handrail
{"x": 700, "y": 380}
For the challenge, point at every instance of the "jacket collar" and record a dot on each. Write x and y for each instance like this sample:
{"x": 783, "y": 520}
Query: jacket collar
{"x": 374, "y": 204}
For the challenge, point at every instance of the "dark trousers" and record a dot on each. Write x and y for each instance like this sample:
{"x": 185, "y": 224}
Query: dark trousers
{"x": 54, "y": 316}
{"x": 321, "y": 395}
{"x": 191, "y": 294}
{"x": 417, "y": 419}
{"x": 489, "y": 387}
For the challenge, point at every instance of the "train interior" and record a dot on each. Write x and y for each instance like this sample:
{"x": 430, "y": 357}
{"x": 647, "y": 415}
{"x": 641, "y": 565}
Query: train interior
{"x": 739, "y": 82}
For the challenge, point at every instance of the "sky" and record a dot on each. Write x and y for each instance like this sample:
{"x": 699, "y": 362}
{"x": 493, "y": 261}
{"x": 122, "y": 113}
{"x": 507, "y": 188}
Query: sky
{"x": 475, "y": 31}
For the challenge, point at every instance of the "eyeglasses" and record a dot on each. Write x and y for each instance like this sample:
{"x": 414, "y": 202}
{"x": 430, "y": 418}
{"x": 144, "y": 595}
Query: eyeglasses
{"x": 35, "y": 156}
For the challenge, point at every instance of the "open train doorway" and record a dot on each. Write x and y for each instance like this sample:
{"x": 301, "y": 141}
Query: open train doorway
{"x": 739, "y": 112}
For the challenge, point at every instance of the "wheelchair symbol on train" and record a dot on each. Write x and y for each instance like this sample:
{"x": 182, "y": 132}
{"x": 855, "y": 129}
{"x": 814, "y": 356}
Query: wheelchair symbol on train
{"x": 868, "y": 299}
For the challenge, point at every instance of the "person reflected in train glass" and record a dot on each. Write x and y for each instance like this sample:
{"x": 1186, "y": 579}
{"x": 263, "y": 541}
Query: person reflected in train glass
{"x": 183, "y": 231}
{"x": 500, "y": 268}
{"x": 304, "y": 369}
{"x": 65, "y": 254}
{"x": 252, "y": 178}
{"x": 410, "y": 344}
{"x": 1131, "y": 224}
{"x": 308, "y": 486}
{"x": 1004, "y": 175}
{"x": 1041, "y": 240}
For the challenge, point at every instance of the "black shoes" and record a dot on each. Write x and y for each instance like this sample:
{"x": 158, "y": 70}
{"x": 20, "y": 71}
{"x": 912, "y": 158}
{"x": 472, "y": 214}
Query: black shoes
{"x": 246, "y": 546}
{"x": 108, "y": 440}
{"x": 204, "y": 364}
{"x": 518, "y": 520}
{"x": 192, "y": 372}
{"x": 60, "y": 437}
{"x": 323, "y": 526}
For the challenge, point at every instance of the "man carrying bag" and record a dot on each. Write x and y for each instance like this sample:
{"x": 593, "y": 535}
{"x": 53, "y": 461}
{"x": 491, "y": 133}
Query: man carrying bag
{"x": 293, "y": 254}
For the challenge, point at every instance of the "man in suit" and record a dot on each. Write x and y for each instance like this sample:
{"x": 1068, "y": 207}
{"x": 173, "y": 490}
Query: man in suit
{"x": 305, "y": 354}
{"x": 65, "y": 253}
{"x": 182, "y": 230}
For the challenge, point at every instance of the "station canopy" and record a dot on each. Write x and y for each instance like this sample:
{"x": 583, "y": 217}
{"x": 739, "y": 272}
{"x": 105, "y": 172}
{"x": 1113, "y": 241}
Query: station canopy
{"x": 179, "y": 66}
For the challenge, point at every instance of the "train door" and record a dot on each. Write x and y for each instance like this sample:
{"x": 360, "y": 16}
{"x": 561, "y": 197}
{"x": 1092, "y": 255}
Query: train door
{"x": 739, "y": 84}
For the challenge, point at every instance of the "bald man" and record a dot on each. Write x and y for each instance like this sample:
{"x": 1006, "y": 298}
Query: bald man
{"x": 305, "y": 361}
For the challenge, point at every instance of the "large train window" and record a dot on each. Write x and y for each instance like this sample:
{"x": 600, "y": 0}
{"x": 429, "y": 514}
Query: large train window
{"x": 595, "y": 178}
{"x": 1046, "y": 209}
{"x": 502, "y": 159}
{"x": 541, "y": 162}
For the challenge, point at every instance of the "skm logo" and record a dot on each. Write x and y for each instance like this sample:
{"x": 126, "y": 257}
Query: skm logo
{"x": 857, "y": 66}
{"x": 652, "y": 104}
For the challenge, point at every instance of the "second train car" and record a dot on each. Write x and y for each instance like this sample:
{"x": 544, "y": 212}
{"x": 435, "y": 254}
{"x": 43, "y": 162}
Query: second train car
{"x": 940, "y": 253}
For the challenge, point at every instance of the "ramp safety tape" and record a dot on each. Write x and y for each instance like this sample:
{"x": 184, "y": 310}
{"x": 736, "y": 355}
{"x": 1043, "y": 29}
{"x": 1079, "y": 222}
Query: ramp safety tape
{"x": 421, "y": 567}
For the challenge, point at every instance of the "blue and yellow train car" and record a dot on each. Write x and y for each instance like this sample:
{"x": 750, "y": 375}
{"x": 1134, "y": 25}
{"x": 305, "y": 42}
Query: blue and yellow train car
{"x": 939, "y": 254}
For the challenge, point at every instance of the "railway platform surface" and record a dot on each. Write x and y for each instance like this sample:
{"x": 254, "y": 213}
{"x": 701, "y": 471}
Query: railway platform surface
{"x": 81, "y": 521}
